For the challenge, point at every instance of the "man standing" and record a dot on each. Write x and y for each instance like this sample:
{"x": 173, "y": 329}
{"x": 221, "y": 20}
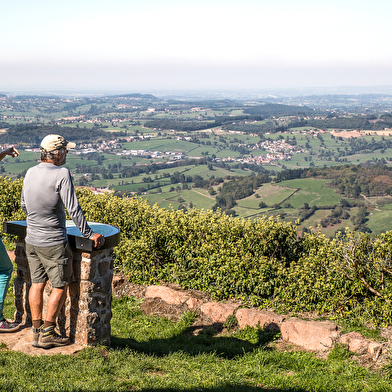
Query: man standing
{"x": 47, "y": 188}
{"x": 5, "y": 265}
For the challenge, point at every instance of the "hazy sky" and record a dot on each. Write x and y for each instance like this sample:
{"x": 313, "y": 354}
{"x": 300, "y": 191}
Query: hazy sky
{"x": 142, "y": 45}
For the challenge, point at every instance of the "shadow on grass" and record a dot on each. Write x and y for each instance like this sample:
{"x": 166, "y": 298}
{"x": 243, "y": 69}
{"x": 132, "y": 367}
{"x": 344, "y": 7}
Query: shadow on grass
{"x": 223, "y": 388}
{"x": 228, "y": 388}
{"x": 196, "y": 341}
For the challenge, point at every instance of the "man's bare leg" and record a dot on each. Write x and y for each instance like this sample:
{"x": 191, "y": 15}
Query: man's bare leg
{"x": 36, "y": 300}
{"x": 55, "y": 303}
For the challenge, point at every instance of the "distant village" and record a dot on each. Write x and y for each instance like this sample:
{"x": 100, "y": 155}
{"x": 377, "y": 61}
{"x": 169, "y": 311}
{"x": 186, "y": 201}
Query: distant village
{"x": 276, "y": 150}
{"x": 114, "y": 146}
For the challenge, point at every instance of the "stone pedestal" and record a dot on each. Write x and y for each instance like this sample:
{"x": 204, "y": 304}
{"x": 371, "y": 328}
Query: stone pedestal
{"x": 86, "y": 314}
{"x": 22, "y": 284}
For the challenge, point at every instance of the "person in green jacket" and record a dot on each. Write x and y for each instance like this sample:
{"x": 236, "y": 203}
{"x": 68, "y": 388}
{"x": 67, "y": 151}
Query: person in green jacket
{"x": 6, "y": 265}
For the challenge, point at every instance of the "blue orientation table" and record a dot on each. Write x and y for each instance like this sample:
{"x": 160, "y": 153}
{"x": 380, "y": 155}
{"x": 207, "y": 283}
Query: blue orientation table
{"x": 75, "y": 237}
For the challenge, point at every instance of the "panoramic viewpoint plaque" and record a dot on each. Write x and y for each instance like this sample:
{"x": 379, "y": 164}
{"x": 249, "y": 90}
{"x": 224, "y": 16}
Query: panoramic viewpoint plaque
{"x": 75, "y": 238}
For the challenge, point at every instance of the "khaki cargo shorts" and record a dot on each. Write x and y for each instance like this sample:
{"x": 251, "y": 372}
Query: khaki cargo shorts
{"x": 53, "y": 263}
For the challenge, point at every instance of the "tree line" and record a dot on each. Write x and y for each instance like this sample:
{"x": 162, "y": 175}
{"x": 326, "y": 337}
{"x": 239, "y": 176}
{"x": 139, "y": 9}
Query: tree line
{"x": 33, "y": 134}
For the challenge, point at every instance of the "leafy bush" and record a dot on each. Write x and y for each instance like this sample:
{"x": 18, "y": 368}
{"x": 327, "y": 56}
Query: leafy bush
{"x": 203, "y": 250}
{"x": 10, "y": 199}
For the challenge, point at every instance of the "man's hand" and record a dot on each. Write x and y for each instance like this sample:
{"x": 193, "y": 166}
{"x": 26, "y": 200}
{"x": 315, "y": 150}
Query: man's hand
{"x": 9, "y": 151}
{"x": 12, "y": 151}
{"x": 98, "y": 240}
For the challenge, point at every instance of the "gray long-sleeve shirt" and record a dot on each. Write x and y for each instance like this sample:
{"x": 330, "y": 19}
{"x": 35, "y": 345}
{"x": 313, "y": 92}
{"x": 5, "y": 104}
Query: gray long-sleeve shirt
{"x": 47, "y": 188}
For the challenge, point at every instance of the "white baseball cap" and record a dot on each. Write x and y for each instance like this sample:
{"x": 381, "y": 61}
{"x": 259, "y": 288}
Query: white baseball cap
{"x": 55, "y": 142}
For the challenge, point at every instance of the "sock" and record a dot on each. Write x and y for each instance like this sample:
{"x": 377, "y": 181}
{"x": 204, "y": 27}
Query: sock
{"x": 48, "y": 324}
{"x": 37, "y": 323}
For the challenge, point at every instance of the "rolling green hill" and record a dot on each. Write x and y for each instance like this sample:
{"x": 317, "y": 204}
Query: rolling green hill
{"x": 199, "y": 152}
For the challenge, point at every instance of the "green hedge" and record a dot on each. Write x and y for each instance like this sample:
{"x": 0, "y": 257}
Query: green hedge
{"x": 262, "y": 262}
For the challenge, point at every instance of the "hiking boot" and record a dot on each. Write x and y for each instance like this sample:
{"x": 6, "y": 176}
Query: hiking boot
{"x": 36, "y": 332}
{"x": 8, "y": 326}
{"x": 48, "y": 338}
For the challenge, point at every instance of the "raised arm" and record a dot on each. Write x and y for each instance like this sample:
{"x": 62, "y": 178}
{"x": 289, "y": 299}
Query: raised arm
{"x": 12, "y": 151}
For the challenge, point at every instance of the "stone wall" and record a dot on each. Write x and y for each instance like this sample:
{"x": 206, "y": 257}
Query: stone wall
{"x": 86, "y": 314}
{"x": 309, "y": 334}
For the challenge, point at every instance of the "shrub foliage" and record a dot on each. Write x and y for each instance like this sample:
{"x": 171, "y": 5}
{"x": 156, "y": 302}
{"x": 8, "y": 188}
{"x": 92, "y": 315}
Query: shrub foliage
{"x": 262, "y": 262}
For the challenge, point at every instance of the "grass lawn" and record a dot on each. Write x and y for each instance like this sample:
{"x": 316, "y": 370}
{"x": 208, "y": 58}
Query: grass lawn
{"x": 198, "y": 197}
{"x": 243, "y": 212}
{"x": 160, "y": 145}
{"x": 312, "y": 221}
{"x": 273, "y": 194}
{"x": 311, "y": 191}
{"x": 380, "y": 221}
{"x": 155, "y": 354}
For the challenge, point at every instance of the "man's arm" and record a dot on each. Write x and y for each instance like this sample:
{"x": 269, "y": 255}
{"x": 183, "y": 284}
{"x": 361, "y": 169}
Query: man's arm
{"x": 23, "y": 203}
{"x": 22, "y": 200}
{"x": 71, "y": 203}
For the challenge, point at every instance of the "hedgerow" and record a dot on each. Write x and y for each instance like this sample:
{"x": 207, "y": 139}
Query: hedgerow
{"x": 262, "y": 262}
